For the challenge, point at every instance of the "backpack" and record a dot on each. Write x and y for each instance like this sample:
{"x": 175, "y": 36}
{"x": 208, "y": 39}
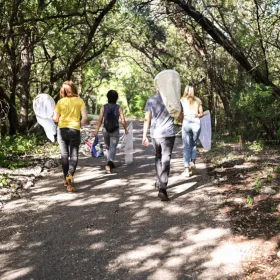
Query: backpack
{"x": 111, "y": 122}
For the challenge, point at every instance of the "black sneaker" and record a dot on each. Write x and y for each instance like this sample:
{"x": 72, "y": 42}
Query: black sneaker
{"x": 157, "y": 185}
{"x": 162, "y": 194}
{"x": 111, "y": 164}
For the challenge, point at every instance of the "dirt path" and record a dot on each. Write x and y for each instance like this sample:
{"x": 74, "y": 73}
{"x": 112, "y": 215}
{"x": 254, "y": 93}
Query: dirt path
{"x": 115, "y": 227}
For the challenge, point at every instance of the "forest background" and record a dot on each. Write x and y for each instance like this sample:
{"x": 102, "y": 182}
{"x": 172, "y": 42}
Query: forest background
{"x": 229, "y": 50}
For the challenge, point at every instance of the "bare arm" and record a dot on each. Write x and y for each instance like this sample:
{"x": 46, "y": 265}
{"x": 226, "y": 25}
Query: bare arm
{"x": 146, "y": 126}
{"x": 180, "y": 117}
{"x": 123, "y": 120}
{"x": 55, "y": 116}
{"x": 99, "y": 122}
{"x": 200, "y": 110}
{"x": 84, "y": 117}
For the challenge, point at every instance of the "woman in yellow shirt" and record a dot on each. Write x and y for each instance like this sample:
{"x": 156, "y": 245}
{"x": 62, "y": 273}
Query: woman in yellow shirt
{"x": 68, "y": 112}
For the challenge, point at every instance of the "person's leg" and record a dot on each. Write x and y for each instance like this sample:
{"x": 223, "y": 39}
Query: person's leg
{"x": 64, "y": 149}
{"x": 195, "y": 134}
{"x": 167, "y": 145}
{"x": 186, "y": 137}
{"x": 106, "y": 137}
{"x": 74, "y": 143}
{"x": 157, "y": 148}
{"x": 114, "y": 140}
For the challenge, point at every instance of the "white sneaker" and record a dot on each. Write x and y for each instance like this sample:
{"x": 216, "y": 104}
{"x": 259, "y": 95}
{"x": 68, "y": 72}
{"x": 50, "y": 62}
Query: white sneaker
{"x": 186, "y": 172}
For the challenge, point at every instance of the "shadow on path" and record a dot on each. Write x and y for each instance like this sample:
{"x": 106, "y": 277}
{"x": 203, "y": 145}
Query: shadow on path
{"x": 114, "y": 226}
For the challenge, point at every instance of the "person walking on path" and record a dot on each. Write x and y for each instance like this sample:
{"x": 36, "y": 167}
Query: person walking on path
{"x": 193, "y": 111}
{"x": 162, "y": 132}
{"x": 110, "y": 114}
{"x": 68, "y": 112}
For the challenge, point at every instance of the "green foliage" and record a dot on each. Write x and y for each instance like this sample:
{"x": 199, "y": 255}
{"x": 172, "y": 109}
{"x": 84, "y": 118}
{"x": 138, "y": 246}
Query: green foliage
{"x": 250, "y": 200}
{"x": 269, "y": 178}
{"x": 257, "y": 114}
{"x": 14, "y": 148}
{"x": 257, "y": 146}
{"x": 18, "y": 145}
{"x": 258, "y": 185}
{"x": 3, "y": 181}
{"x": 90, "y": 117}
{"x": 276, "y": 170}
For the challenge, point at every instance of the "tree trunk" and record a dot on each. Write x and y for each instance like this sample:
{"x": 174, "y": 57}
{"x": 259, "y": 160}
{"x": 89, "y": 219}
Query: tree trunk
{"x": 220, "y": 38}
{"x": 24, "y": 80}
{"x": 12, "y": 114}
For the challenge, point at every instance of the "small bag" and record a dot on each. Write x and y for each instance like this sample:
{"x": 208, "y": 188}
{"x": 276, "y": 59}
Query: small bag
{"x": 96, "y": 148}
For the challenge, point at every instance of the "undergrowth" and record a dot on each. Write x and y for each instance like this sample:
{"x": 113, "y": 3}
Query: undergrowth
{"x": 14, "y": 150}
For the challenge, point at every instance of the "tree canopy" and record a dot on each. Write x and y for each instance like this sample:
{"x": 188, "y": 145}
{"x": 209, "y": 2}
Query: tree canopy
{"x": 229, "y": 50}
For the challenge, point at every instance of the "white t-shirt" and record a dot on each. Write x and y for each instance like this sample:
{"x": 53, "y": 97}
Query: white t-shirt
{"x": 190, "y": 110}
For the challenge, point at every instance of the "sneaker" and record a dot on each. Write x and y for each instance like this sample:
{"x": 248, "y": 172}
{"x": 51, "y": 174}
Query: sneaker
{"x": 186, "y": 172}
{"x": 193, "y": 169}
{"x": 108, "y": 168}
{"x": 157, "y": 185}
{"x": 111, "y": 164}
{"x": 70, "y": 182}
{"x": 162, "y": 194}
{"x": 65, "y": 183}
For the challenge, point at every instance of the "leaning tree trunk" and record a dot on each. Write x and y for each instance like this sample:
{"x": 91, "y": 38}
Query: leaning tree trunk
{"x": 230, "y": 47}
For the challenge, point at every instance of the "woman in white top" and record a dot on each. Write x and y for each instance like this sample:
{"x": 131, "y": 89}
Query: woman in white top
{"x": 193, "y": 111}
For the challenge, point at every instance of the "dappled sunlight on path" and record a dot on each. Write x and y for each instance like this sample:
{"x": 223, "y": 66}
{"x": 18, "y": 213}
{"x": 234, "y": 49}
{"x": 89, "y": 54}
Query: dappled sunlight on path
{"x": 115, "y": 227}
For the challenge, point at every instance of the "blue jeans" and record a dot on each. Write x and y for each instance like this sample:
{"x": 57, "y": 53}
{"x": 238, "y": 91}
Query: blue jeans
{"x": 111, "y": 140}
{"x": 190, "y": 134}
{"x": 69, "y": 141}
{"x": 163, "y": 150}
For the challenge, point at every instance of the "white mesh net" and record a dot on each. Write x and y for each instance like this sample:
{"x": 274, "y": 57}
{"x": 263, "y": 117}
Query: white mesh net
{"x": 44, "y": 106}
{"x": 169, "y": 86}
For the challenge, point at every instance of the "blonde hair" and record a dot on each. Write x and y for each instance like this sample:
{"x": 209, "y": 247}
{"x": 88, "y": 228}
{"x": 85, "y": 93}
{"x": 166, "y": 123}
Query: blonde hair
{"x": 68, "y": 89}
{"x": 189, "y": 94}
{"x": 189, "y": 91}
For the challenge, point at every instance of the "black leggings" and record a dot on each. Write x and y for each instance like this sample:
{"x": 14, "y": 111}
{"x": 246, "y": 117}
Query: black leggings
{"x": 69, "y": 141}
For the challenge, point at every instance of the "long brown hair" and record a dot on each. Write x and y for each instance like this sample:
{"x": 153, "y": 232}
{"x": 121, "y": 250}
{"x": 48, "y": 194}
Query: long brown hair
{"x": 68, "y": 89}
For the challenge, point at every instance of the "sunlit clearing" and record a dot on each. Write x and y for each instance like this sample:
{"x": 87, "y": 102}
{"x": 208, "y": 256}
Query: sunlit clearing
{"x": 181, "y": 188}
{"x": 128, "y": 203}
{"x": 142, "y": 213}
{"x": 56, "y": 197}
{"x": 94, "y": 200}
{"x": 145, "y": 157}
{"x": 135, "y": 197}
{"x": 175, "y": 262}
{"x": 95, "y": 232}
{"x": 7, "y": 246}
{"x": 154, "y": 204}
{"x": 116, "y": 183}
{"x": 137, "y": 255}
{"x": 227, "y": 257}
{"x": 86, "y": 176}
{"x": 44, "y": 189}
{"x": 162, "y": 273}
{"x": 34, "y": 245}
{"x": 16, "y": 274}
{"x": 97, "y": 246}
{"x": 209, "y": 233}
{"x": 140, "y": 221}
